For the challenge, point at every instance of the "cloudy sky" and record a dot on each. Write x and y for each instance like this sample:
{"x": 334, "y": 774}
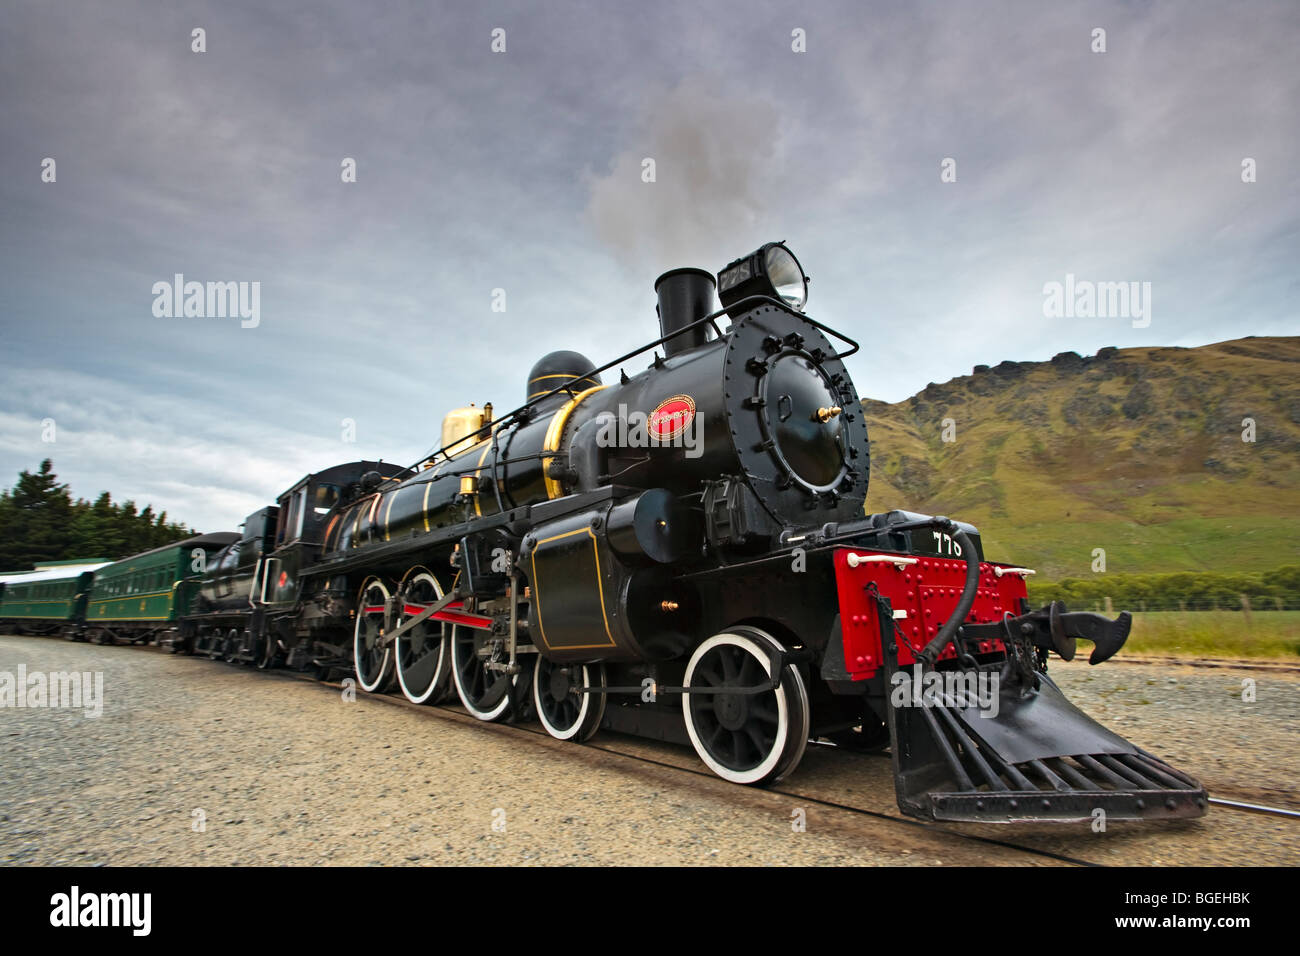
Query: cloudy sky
{"x": 522, "y": 170}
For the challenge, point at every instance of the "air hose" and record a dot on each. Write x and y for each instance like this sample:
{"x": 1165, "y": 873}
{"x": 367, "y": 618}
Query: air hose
{"x": 931, "y": 652}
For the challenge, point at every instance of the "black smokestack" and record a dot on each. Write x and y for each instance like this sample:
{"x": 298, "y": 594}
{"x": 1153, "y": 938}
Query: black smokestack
{"x": 685, "y": 295}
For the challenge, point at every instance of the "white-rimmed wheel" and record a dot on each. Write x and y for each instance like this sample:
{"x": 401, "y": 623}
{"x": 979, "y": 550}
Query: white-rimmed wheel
{"x": 230, "y": 646}
{"x": 371, "y": 658}
{"x": 566, "y": 712}
{"x": 422, "y": 655}
{"x": 745, "y": 738}
{"x": 483, "y": 687}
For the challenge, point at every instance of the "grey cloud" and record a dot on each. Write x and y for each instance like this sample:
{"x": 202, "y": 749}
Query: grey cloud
{"x": 523, "y": 172}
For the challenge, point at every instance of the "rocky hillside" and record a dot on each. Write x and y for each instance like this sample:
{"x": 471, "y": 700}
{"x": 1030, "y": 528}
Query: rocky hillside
{"x": 1136, "y": 451}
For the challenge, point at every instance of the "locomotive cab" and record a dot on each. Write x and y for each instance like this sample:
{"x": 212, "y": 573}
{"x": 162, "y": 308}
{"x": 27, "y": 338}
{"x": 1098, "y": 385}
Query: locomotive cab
{"x": 308, "y": 513}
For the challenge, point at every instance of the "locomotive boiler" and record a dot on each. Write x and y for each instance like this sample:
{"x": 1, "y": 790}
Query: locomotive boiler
{"x": 675, "y": 544}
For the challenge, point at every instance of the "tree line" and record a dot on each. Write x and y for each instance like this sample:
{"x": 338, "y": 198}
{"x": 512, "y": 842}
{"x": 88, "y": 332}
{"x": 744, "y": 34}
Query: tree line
{"x": 1278, "y": 589}
{"x": 40, "y": 521}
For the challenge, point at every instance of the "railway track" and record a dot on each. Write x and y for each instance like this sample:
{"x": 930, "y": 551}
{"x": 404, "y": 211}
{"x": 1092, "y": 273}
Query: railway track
{"x": 1212, "y": 663}
{"x": 797, "y": 798}
{"x": 1255, "y": 808}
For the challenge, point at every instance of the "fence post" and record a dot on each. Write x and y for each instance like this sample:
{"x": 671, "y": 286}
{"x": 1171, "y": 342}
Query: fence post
{"x": 1245, "y": 608}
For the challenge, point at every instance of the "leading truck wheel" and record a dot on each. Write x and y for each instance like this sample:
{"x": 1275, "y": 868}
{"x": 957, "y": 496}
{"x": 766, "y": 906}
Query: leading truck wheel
{"x": 372, "y": 659}
{"x": 423, "y": 654}
{"x": 566, "y": 712}
{"x": 745, "y": 738}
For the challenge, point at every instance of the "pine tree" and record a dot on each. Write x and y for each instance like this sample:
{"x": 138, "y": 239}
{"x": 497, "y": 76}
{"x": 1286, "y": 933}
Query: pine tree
{"x": 39, "y": 521}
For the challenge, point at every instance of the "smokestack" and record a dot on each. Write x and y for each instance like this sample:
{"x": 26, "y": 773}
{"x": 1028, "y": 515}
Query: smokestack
{"x": 685, "y": 295}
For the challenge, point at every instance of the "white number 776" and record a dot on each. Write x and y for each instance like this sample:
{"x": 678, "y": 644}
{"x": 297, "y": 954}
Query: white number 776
{"x": 944, "y": 542}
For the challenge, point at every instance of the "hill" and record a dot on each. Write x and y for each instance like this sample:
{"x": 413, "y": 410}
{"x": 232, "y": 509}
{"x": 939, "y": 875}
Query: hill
{"x": 1138, "y": 451}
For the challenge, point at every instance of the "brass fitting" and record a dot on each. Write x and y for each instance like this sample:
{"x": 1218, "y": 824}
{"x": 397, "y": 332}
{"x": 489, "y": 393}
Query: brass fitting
{"x": 826, "y": 414}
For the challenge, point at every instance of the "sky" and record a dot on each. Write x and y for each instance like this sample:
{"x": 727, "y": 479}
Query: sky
{"x": 522, "y": 169}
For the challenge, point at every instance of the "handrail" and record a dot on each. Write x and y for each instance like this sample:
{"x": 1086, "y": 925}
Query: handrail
{"x": 711, "y": 318}
{"x": 252, "y": 585}
{"x": 266, "y": 577}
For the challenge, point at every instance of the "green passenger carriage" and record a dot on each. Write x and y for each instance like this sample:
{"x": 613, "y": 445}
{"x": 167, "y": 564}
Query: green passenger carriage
{"x": 141, "y": 598}
{"x": 49, "y": 599}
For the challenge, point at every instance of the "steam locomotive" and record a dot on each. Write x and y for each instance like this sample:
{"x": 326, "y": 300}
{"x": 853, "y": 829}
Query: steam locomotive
{"x": 681, "y": 551}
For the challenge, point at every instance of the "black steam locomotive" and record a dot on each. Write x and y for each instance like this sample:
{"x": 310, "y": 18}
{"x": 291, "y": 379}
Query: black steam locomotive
{"x": 682, "y": 552}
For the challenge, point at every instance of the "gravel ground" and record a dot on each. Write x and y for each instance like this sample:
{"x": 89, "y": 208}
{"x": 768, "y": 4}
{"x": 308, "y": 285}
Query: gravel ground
{"x": 1197, "y": 720}
{"x": 285, "y": 771}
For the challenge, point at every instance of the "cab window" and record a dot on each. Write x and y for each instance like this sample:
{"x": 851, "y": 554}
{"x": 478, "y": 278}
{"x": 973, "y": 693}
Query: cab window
{"x": 324, "y": 498}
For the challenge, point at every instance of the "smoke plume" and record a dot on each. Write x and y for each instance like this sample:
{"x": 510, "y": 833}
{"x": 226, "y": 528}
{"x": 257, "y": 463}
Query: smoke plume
{"x": 715, "y": 157}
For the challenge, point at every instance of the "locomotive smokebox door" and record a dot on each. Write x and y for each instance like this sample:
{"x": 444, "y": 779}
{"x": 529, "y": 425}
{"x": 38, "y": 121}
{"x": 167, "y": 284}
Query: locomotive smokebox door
{"x": 795, "y": 421}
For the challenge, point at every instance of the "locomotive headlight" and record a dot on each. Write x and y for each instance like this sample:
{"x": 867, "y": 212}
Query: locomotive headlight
{"x": 770, "y": 270}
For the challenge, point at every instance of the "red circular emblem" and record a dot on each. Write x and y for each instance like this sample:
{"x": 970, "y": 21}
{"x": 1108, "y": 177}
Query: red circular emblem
{"x": 284, "y": 578}
{"x": 671, "y": 417}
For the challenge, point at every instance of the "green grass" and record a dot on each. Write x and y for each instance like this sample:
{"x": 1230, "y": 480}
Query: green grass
{"x": 1267, "y": 634}
{"x": 1064, "y": 548}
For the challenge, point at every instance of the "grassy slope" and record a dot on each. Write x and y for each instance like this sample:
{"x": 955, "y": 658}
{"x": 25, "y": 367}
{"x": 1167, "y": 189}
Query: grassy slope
{"x": 1137, "y": 451}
